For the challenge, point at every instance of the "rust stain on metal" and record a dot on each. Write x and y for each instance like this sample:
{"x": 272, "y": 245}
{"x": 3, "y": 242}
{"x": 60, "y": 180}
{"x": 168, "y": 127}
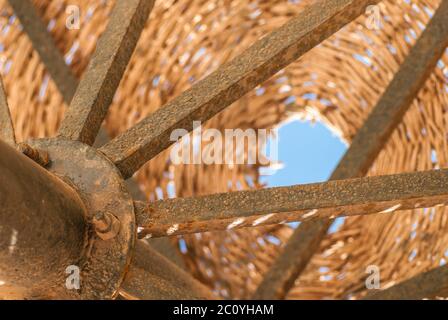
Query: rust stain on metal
{"x": 96, "y": 90}
{"x": 380, "y": 194}
{"x": 365, "y": 147}
{"x": 51, "y": 57}
{"x": 107, "y": 226}
{"x": 102, "y": 189}
{"x": 6, "y": 127}
{"x": 211, "y": 95}
{"x": 43, "y": 228}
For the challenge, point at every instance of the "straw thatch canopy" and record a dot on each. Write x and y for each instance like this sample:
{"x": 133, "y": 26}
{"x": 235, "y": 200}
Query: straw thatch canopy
{"x": 337, "y": 83}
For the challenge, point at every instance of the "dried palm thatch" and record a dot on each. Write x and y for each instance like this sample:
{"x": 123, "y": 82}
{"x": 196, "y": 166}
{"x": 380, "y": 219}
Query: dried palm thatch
{"x": 338, "y": 83}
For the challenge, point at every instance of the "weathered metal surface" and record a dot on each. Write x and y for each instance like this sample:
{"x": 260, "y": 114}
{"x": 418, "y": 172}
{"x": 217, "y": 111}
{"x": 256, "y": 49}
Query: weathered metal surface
{"x": 364, "y": 149}
{"x": 152, "y": 276}
{"x": 211, "y": 95}
{"x": 6, "y": 128}
{"x": 38, "y": 156}
{"x": 165, "y": 245}
{"x": 52, "y": 58}
{"x": 67, "y": 84}
{"x": 204, "y": 214}
{"x": 42, "y": 229}
{"x": 297, "y": 203}
{"x": 43, "y": 43}
{"x": 106, "y": 225}
{"x": 103, "y": 191}
{"x": 427, "y": 285}
{"x": 96, "y": 90}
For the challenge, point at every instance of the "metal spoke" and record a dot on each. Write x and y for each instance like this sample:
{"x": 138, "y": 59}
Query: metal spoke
{"x": 152, "y": 276}
{"x": 52, "y": 58}
{"x": 297, "y": 203}
{"x": 96, "y": 90}
{"x": 431, "y": 284}
{"x": 43, "y": 43}
{"x": 98, "y": 234}
{"x": 67, "y": 83}
{"x": 211, "y": 95}
{"x": 6, "y": 128}
{"x": 365, "y": 147}
{"x": 165, "y": 245}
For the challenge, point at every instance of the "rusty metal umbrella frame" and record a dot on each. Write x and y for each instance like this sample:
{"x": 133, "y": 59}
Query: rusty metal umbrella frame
{"x": 72, "y": 202}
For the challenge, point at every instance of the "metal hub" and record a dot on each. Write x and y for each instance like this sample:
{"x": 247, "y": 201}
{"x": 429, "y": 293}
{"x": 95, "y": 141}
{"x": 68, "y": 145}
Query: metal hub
{"x": 103, "y": 191}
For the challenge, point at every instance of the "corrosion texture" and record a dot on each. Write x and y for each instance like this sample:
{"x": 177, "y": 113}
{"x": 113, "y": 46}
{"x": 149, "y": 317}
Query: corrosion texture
{"x": 104, "y": 72}
{"x": 103, "y": 192}
{"x": 43, "y": 229}
{"x": 378, "y": 194}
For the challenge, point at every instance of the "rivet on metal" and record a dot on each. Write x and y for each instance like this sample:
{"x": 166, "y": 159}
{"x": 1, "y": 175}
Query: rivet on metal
{"x": 106, "y": 225}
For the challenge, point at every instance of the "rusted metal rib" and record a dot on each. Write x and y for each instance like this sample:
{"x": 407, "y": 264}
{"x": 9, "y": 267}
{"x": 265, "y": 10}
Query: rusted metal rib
{"x": 165, "y": 246}
{"x": 152, "y": 277}
{"x": 52, "y": 58}
{"x": 211, "y": 95}
{"x": 297, "y": 203}
{"x": 54, "y": 62}
{"x": 6, "y": 128}
{"x": 399, "y": 95}
{"x": 365, "y": 147}
{"x": 430, "y": 285}
{"x": 96, "y": 90}
{"x": 43, "y": 43}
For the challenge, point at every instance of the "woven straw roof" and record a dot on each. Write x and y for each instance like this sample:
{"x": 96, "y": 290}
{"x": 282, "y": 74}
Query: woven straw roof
{"x": 338, "y": 83}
